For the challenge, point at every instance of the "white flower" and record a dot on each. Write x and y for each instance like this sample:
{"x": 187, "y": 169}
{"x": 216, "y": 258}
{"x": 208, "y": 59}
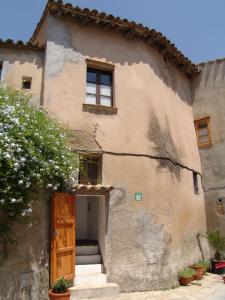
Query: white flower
{"x": 49, "y": 185}
{"x": 7, "y": 155}
{"x": 13, "y": 200}
{"x": 20, "y": 182}
{"x": 16, "y": 165}
{"x": 2, "y": 201}
{"x": 23, "y": 159}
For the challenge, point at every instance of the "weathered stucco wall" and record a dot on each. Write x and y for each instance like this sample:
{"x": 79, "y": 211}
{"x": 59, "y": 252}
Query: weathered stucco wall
{"x": 24, "y": 272}
{"x": 148, "y": 241}
{"x": 209, "y": 101}
{"x": 18, "y": 63}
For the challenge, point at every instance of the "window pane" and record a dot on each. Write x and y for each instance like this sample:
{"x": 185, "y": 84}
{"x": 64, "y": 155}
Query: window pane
{"x": 90, "y": 99}
{"x": 203, "y": 131}
{"x": 202, "y": 125}
{"x": 105, "y": 79}
{"x": 91, "y": 76}
{"x": 91, "y": 88}
{"x": 106, "y": 101}
{"x": 203, "y": 139}
{"x": 105, "y": 90}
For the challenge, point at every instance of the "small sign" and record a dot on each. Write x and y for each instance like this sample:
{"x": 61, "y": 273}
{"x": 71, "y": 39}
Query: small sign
{"x": 138, "y": 196}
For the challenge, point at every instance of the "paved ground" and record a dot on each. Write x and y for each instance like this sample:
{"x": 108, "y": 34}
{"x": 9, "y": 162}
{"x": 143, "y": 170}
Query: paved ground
{"x": 210, "y": 288}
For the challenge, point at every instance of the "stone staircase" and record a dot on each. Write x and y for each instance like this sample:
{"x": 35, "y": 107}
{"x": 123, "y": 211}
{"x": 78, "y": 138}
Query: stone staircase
{"x": 89, "y": 280}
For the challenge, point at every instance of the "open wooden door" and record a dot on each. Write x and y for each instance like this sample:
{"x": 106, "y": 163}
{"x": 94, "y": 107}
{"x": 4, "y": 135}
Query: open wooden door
{"x": 63, "y": 237}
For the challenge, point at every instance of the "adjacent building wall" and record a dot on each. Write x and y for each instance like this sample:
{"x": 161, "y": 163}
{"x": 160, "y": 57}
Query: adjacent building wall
{"x": 148, "y": 241}
{"x": 209, "y": 101}
{"x": 18, "y": 63}
{"x": 24, "y": 267}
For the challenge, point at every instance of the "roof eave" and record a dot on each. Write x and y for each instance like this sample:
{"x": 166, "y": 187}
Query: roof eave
{"x": 128, "y": 28}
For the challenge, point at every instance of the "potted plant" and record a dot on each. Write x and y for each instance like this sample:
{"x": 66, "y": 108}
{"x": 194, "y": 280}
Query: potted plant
{"x": 218, "y": 243}
{"x": 223, "y": 279}
{"x": 60, "y": 290}
{"x": 205, "y": 264}
{"x": 199, "y": 269}
{"x": 186, "y": 276}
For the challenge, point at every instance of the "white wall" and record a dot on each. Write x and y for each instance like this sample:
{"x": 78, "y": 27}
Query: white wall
{"x": 91, "y": 220}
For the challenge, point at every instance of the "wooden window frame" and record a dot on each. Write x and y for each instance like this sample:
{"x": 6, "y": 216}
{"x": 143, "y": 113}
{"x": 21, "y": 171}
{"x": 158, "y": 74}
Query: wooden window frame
{"x": 89, "y": 159}
{"x": 99, "y": 72}
{"x": 197, "y": 122}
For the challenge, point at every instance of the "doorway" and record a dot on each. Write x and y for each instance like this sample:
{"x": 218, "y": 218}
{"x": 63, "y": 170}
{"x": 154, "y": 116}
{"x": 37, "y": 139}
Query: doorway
{"x": 90, "y": 222}
{"x": 90, "y": 240}
{"x": 82, "y": 219}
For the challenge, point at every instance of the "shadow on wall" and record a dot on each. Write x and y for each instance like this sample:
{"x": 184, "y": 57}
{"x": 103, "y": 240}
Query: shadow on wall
{"x": 164, "y": 145}
{"x": 211, "y": 73}
{"x": 100, "y": 41}
{"x": 22, "y": 56}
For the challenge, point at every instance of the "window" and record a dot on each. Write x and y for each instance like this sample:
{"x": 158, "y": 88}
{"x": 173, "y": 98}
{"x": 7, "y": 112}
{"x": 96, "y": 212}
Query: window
{"x": 195, "y": 182}
{"x": 220, "y": 207}
{"x": 1, "y": 67}
{"x": 99, "y": 87}
{"x": 203, "y": 132}
{"x": 90, "y": 172}
{"x": 26, "y": 83}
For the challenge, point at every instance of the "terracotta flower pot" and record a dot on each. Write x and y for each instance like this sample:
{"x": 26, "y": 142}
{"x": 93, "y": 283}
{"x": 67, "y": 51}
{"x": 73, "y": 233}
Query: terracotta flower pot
{"x": 53, "y": 296}
{"x": 224, "y": 279}
{"x": 200, "y": 271}
{"x": 185, "y": 280}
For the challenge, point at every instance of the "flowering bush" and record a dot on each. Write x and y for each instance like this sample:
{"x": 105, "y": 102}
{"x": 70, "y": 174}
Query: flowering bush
{"x": 33, "y": 151}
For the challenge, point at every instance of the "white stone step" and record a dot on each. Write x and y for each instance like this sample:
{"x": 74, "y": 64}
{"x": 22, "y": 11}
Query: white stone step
{"x": 87, "y": 250}
{"x": 88, "y": 259}
{"x": 90, "y": 279}
{"x": 108, "y": 290}
{"x": 88, "y": 269}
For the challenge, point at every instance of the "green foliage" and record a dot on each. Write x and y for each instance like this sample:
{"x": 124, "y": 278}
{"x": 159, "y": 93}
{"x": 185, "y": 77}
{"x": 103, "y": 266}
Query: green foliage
{"x": 187, "y": 273}
{"x": 33, "y": 152}
{"x": 218, "y": 242}
{"x": 198, "y": 265}
{"x": 61, "y": 286}
{"x": 205, "y": 264}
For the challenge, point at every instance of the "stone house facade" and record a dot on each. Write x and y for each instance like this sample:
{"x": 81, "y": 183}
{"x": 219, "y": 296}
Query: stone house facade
{"x": 208, "y": 107}
{"x": 126, "y": 92}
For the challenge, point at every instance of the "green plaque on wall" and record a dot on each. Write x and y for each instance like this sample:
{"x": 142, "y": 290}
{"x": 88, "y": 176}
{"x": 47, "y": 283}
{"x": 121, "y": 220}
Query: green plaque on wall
{"x": 138, "y": 196}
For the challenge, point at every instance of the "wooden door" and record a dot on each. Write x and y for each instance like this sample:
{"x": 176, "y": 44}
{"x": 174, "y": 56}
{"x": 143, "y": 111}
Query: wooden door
{"x": 63, "y": 237}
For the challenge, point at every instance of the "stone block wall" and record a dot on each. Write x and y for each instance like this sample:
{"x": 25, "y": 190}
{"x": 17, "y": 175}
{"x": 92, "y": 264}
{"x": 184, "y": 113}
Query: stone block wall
{"x": 24, "y": 268}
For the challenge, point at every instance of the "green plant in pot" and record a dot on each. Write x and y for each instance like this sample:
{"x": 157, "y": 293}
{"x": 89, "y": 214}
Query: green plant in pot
{"x": 205, "y": 264}
{"x": 217, "y": 241}
{"x": 60, "y": 290}
{"x": 186, "y": 276}
{"x": 199, "y": 269}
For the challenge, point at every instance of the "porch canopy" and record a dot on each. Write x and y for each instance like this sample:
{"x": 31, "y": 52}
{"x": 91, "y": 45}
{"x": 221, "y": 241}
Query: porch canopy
{"x": 89, "y": 189}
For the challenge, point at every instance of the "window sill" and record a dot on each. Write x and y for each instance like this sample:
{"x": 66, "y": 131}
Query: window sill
{"x": 100, "y": 109}
{"x": 206, "y": 146}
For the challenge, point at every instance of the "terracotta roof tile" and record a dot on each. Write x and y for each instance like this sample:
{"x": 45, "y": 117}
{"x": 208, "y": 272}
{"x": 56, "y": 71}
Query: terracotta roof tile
{"x": 83, "y": 188}
{"x": 128, "y": 28}
{"x": 19, "y": 45}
